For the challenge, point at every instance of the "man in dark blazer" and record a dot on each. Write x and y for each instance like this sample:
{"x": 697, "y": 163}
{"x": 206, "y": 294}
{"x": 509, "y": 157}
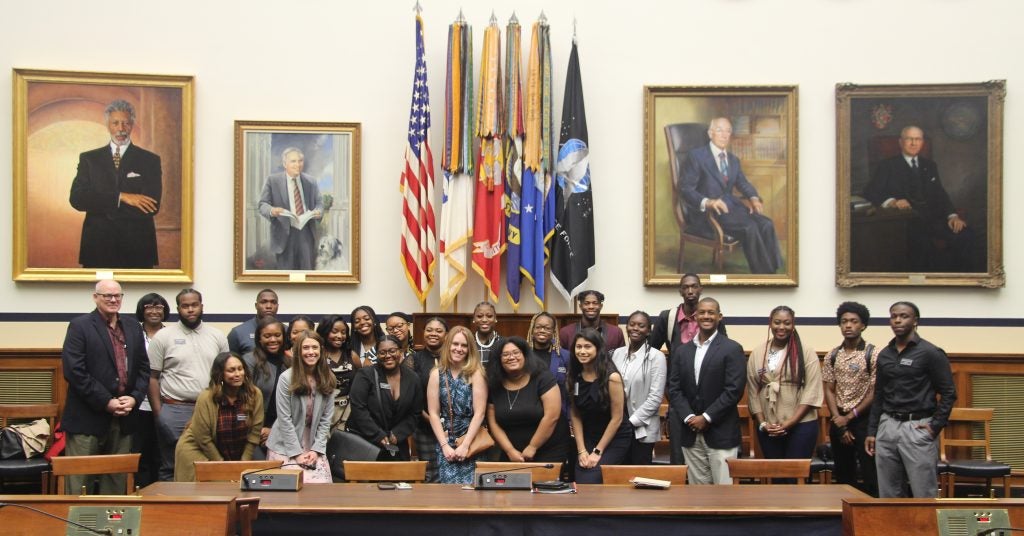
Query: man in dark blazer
{"x": 107, "y": 370}
{"x": 118, "y": 186}
{"x": 710, "y": 175}
{"x": 910, "y": 182}
{"x": 291, "y": 241}
{"x": 706, "y": 381}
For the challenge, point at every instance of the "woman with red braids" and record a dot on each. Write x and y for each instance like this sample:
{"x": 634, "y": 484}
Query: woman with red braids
{"x": 784, "y": 390}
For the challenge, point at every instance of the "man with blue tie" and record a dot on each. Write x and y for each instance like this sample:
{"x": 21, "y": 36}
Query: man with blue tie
{"x": 710, "y": 175}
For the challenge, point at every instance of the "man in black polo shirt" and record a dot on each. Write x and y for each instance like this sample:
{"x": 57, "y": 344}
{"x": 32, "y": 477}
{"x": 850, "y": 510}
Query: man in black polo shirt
{"x": 905, "y": 418}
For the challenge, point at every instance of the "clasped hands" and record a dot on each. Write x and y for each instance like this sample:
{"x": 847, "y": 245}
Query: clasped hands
{"x": 720, "y": 207}
{"x": 120, "y": 406}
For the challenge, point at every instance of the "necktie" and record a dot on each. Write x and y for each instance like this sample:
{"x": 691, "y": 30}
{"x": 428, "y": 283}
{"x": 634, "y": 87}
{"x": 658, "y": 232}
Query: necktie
{"x": 723, "y": 165}
{"x": 297, "y": 196}
{"x": 913, "y": 166}
{"x": 117, "y": 157}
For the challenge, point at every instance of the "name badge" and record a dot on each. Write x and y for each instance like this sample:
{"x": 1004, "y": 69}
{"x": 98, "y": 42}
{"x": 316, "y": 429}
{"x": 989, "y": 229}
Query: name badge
{"x": 854, "y": 367}
{"x": 179, "y": 341}
{"x": 575, "y": 389}
{"x": 241, "y": 417}
{"x": 385, "y": 385}
{"x": 906, "y": 362}
{"x": 561, "y": 370}
{"x": 252, "y": 336}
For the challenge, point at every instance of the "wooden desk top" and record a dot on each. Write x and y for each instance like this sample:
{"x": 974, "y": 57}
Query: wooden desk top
{"x": 746, "y": 500}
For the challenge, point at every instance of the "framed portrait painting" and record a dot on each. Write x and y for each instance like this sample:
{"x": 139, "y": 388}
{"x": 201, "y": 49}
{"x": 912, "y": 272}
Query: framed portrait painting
{"x": 919, "y": 184}
{"x": 297, "y": 202}
{"x": 102, "y": 176}
{"x": 720, "y": 185}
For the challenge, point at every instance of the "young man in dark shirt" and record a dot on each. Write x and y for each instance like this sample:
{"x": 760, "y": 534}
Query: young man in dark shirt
{"x": 905, "y": 417}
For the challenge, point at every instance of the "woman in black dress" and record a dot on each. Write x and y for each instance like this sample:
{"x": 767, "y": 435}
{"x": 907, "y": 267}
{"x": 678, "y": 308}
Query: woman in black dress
{"x": 343, "y": 363}
{"x": 598, "y": 408}
{"x": 524, "y": 410}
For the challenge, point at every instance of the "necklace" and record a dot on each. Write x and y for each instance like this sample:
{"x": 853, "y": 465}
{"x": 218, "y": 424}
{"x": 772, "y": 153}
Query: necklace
{"x": 511, "y": 400}
{"x": 494, "y": 339}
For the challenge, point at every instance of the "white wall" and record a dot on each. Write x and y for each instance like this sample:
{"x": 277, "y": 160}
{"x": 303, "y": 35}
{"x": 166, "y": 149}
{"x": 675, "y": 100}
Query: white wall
{"x": 263, "y": 60}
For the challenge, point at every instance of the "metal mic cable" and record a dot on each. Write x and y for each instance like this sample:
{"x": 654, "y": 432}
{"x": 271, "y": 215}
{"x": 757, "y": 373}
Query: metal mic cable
{"x": 107, "y": 532}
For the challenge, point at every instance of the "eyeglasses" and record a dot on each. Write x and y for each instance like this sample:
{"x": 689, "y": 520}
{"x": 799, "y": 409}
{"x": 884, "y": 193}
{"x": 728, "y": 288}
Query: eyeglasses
{"x": 511, "y": 354}
{"x": 391, "y": 351}
{"x": 109, "y": 297}
{"x": 153, "y": 307}
{"x": 394, "y": 329}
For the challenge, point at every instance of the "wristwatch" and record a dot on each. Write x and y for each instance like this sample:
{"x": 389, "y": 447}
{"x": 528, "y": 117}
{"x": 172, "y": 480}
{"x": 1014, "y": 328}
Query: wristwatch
{"x": 764, "y": 424}
{"x": 596, "y": 451}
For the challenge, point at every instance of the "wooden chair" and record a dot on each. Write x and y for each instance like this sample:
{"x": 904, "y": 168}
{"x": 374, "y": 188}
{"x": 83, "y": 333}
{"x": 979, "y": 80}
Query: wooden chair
{"x": 230, "y": 471}
{"x": 680, "y": 138}
{"x": 974, "y": 419}
{"x": 748, "y": 439}
{"x": 765, "y": 470}
{"x": 385, "y": 471}
{"x": 99, "y": 464}
{"x": 32, "y": 468}
{"x": 622, "y": 474}
{"x": 538, "y": 470}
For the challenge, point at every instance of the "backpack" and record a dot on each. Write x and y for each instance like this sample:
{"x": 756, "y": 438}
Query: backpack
{"x": 867, "y": 357}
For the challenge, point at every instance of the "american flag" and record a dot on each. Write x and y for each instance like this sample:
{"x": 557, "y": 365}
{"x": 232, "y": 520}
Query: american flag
{"x": 417, "y": 184}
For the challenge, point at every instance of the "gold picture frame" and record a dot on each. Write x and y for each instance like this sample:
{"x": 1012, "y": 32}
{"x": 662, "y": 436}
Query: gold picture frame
{"x": 764, "y": 143}
{"x": 268, "y": 249}
{"x": 59, "y": 118}
{"x": 895, "y": 224}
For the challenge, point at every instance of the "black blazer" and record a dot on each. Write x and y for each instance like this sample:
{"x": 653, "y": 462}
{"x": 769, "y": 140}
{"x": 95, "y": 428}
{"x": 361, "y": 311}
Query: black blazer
{"x": 89, "y": 368}
{"x": 723, "y": 377}
{"x": 894, "y": 179}
{"x": 116, "y": 235}
{"x": 372, "y": 421}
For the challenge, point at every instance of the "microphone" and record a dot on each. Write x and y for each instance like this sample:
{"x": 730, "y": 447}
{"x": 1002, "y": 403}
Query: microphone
{"x": 105, "y": 531}
{"x": 245, "y": 483}
{"x": 493, "y": 480}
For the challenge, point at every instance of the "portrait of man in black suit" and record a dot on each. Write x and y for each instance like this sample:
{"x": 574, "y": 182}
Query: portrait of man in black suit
{"x": 707, "y": 377}
{"x": 118, "y": 186}
{"x": 938, "y": 238}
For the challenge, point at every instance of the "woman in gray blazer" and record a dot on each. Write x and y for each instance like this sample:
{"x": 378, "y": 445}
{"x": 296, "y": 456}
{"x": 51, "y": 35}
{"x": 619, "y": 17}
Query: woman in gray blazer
{"x": 305, "y": 405}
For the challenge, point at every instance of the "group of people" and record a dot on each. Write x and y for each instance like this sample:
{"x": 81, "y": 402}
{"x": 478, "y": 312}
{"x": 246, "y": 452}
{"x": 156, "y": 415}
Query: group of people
{"x": 186, "y": 392}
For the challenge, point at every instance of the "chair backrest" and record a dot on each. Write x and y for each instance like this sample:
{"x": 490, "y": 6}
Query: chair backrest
{"x": 230, "y": 471}
{"x": 764, "y": 470}
{"x": 385, "y": 471}
{"x": 622, "y": 474}
{"x": 538, "y": 470}
{"x": 970, "y": 417}
{"x": 680, "y": 138}
{"x": 99, "y": 464}
{"x": 747, "y": 435}
{"x": 28, "y": 412}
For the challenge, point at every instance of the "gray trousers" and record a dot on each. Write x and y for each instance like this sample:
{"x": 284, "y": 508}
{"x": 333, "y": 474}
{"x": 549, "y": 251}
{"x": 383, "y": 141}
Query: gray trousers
{"x": 169, "y": 426}
{"x": 708, "y": 465}
{"x": 113, "y": 442}
{"x": 906, "y": 454}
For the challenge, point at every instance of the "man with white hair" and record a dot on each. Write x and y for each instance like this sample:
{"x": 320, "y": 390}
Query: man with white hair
{"x": 289, "y": 199}
{"x": 107, "y": 371}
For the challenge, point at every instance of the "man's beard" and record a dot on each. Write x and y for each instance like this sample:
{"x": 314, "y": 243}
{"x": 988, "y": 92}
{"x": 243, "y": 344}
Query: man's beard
{"x": 193, "y": 324}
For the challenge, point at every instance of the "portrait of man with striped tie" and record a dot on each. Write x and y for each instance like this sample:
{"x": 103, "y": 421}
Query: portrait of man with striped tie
{"x": 711, "y": 175}
{"x": 291, "y": 201}
{"x": 119, "y": 187}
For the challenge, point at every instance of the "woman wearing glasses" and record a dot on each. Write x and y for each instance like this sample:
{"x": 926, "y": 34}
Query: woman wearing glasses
{"x": 386, "y": 401}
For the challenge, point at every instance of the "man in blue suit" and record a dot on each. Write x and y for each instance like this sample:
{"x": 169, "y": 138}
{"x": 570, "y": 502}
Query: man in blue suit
{"x": 107, "y": 370}
{"x": 286, "y": 199}
{"x": 710, "y": 175}
{"x": 706, "y": 381}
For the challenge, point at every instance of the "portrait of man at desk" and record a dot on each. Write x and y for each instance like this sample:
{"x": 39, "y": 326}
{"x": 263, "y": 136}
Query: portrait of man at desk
{"x": 907, "y": 190}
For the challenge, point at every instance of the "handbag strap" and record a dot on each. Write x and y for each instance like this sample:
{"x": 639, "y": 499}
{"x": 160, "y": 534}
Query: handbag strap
{"x": 448, "y": 390}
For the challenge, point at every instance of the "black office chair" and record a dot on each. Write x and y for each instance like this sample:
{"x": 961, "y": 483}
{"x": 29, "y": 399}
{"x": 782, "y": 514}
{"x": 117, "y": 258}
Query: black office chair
{"x": 344, "y": 446}
{"x": 20, "y": 468}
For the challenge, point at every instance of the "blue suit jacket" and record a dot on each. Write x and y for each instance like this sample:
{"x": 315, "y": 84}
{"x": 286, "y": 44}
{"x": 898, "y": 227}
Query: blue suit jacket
{"x": 275, "y": 194}
{"x": 89, "y": 368}
{"x": 702, "y": 179}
